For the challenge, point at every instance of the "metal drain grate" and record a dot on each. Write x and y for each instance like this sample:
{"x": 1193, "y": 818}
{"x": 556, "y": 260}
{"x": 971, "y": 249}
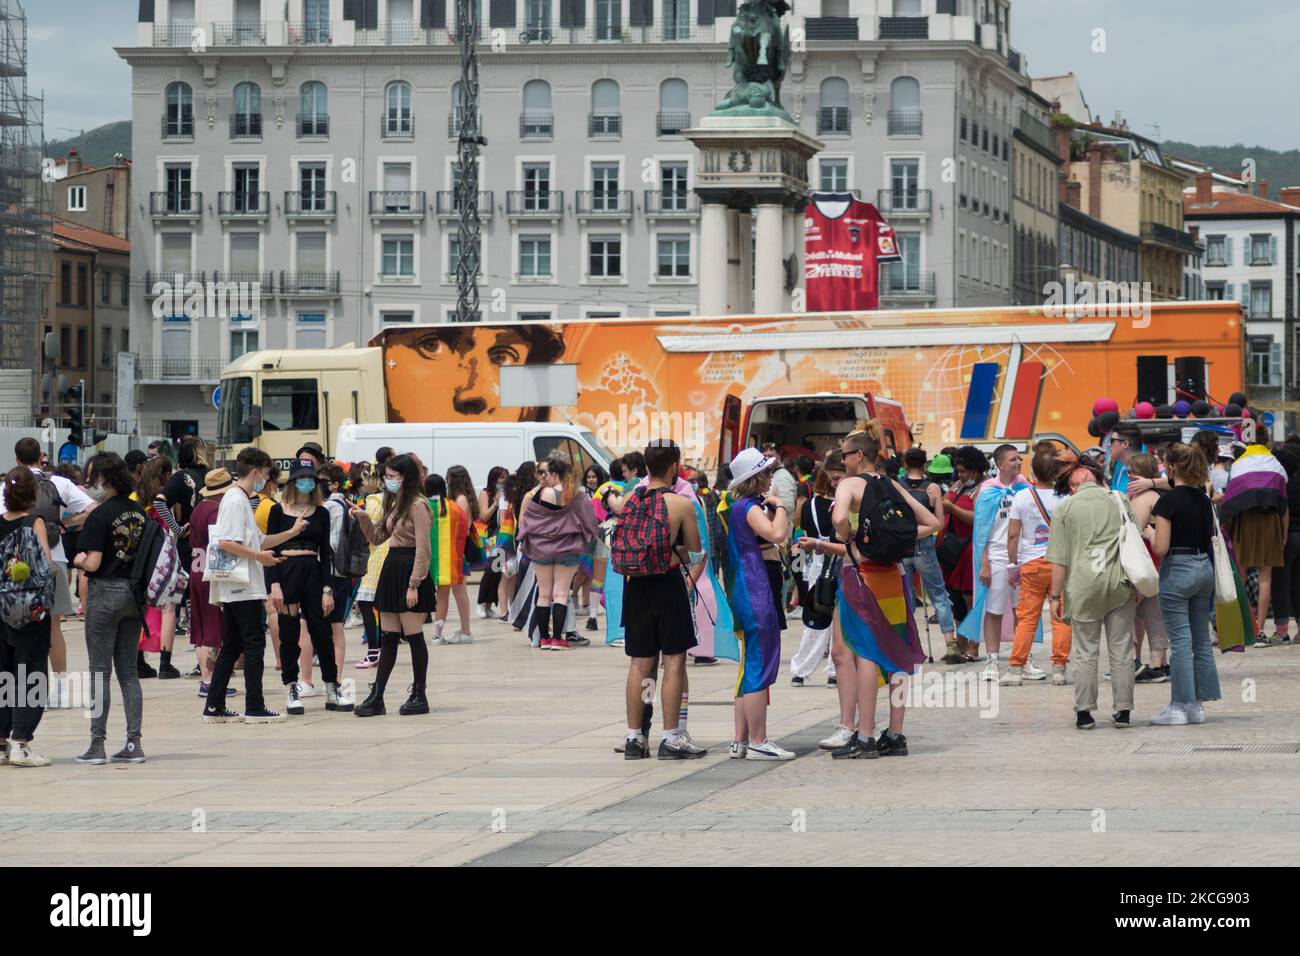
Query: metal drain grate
{"x": 543, "y": 849}
{"x": 1189, "y": 749}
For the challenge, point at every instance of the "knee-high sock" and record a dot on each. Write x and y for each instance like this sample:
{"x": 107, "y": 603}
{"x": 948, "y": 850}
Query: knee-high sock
{"x": 559, "y": 613}
{"x": 542, "y": 621}
{"x": 387, "y": 658}
{"x": 419, "y": 659}
{"x": 371, "y": 625}
{"x": 681, "y": 714}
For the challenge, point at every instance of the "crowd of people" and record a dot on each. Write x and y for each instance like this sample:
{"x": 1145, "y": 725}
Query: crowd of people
{"x": 869, "y": 549}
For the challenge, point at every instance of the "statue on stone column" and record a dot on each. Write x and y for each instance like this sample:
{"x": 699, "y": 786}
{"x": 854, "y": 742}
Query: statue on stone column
{"x": 758, "y": 54}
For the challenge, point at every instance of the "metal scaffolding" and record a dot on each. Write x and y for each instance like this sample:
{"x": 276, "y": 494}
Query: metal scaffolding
{"x": 469, "y": 139}
{"x": 24, "y": 202}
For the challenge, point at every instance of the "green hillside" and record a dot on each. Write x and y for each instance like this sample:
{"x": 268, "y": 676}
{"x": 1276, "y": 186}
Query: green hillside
{"x": 97, "y": 146}
{"x": 1277, "y": 167}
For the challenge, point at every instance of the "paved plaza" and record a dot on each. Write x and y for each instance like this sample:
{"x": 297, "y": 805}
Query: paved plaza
{"x": 515, "y": 765}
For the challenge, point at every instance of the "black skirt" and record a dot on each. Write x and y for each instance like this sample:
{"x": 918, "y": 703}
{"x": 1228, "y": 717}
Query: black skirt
{"x": 394, "y": 578}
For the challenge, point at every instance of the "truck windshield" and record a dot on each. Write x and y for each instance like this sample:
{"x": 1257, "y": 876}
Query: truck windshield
{"x": 595, "y": 443}
{"x": 290, "y": 404}
{"x": 233, "y": 417}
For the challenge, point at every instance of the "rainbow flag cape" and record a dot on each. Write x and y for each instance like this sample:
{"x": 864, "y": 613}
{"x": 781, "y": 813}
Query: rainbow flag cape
{"x": 1233, "y": 621}
{"x": 447, "y": 534}
{"x": 875, "y": 604}
{"x": 505, "y": 537}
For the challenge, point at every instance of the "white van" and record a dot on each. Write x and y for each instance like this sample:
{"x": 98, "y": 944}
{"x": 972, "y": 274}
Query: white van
{"x": 476, "y": 446}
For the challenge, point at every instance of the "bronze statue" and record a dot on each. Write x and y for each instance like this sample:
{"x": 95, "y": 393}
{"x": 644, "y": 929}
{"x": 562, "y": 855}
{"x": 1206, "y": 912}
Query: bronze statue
{"x": 758, "y": 54}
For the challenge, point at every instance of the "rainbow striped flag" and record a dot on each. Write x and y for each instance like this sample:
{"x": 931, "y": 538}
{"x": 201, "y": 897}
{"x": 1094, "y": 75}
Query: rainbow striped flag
{"x": 876, "y": 618}
{"x": 505, "y": 540}
{"x": 447, "y": 534}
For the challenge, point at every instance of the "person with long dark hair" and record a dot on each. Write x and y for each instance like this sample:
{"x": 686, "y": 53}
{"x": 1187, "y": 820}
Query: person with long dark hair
{"x": 955, "y": 543}
{"x": 459, "y": 494}
{"x": 491, "y": 503}
{"x": 404, "y": 595}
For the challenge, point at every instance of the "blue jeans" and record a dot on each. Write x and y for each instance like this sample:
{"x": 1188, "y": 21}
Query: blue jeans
{"x": 1186, "y": 603}
{"x": 927, "y": 562}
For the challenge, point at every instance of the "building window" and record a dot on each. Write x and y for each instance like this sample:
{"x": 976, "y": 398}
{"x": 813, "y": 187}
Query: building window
{"x": 311, "y": 187}
{"x": 1261, "y": 250}
{"x": 1261, "y": 300}
{"x": 246, "y": 123}
{"x": 397, "y": 318}
{"x": 125, "y": 282}
{"x": 178, "y": 121}
{"x": 674, "y": 256}
{"x": 606, "y": 122}
{"x": 83, "y": 284}
{"x": 674, "y": 108}
{"x": 604, "y": 187}
{"x": 82, "y": 346}
{"x": 1263, "y": 362}
{"x": 310, "y": 332}
{"x": 537, "y": 121}
{"x": 904, "y": 117}
{"x": 105, "y": 347}
{"x": 833, "y": 108}
{"x": 903, "y": 175}
{"x": 242, "y": 340}
{"x": 535, "y": 316}
{"x": 537, "y": 187}
{"x": 834, "y": 175}
{"x": 605, "y": 257}
{"x": 248, "y": 184}
{"x": 105, "y": 286}
{"x": 672, "y": 183}
{"x": 609, "y": 23}
{"x": 399, "y": 257}
{"x": 453, "y": 258}
{"x": 65, "y": 346}
{"x": 314, "y": 120}
{"x": 398, "y": 119}
{"x": 177, "y": 180}
{"x": 535, "y": 256}
{"x": 76, "y": 199}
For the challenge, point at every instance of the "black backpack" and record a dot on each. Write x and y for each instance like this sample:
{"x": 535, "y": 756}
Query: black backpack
{"x": 919, "y": 488}
{"x": 886, "y": 525}
{"x": 49, "y": 505}
{"x": 353, "y": 553}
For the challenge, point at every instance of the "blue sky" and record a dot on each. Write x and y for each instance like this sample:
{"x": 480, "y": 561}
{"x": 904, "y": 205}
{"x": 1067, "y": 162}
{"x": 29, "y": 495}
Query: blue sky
{"x": 1206, "y": 72}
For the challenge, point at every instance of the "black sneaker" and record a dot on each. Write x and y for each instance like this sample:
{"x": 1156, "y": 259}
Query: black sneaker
{"x": 635, "y": 750}
{"x": 131, "y": 753}
{"x": 575, "y": 640}
{"x": 892, "y": 745}
{"x": 94, "y": 753}
{"x": 417, "y": 703}
{"x": 831, "y": 682}
{"x": 222, "y": 715}
{"x": 1083, "y": 721}
{"x": 796, "y": 681}
{"x": 143, "y": 669}
{"x": 1164, "y": 675}
{"x": 857, "y": 749}
{"x": 591, "y": 624}
{"x": 195, "y": 674}
{"x": 263, "y": 716}
{"x": 1147, "y": 675}
{"x": 705, "y": 661}
{"x": 1120, "y": 719}
{"x": 169, "y": 673}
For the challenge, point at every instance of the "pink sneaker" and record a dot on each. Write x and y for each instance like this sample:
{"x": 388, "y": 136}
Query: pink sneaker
{"x": 367, "y": 662}
{"x": 559, "y": 645}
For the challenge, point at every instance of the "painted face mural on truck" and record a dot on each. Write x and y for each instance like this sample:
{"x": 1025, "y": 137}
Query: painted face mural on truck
{"x": 460, "y": 375}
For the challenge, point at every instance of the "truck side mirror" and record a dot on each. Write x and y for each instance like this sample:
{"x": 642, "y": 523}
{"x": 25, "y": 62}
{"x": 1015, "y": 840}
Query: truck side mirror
{"x": 254, "y": 421}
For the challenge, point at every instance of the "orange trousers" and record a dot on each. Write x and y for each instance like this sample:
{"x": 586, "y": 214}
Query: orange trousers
{"x": 1035, "y": 588}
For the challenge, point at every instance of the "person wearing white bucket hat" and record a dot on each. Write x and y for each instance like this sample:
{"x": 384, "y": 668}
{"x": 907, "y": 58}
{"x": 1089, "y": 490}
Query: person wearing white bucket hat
{"x": 757, "y": 522}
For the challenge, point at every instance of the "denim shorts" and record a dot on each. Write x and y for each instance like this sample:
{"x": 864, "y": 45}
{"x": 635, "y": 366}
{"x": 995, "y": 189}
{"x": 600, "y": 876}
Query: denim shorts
{"x": 564, "y": 560}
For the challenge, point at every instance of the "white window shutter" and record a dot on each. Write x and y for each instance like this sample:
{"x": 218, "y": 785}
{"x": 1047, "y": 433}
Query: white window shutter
{"x": 1228, "y": 293}
{"x": 1245, "y": 250}
{"x": 1227, "y": 251}
{"x": 1272, "y": 250}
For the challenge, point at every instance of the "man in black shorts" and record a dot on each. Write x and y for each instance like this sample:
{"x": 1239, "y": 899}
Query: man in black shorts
{"x": 658, "y": 618}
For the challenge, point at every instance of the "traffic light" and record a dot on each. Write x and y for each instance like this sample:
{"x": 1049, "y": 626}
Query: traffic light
{"x": 72, "y": 405}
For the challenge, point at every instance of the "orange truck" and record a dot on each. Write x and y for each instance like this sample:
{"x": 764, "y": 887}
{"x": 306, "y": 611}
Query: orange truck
{"x": 936, "y": 377}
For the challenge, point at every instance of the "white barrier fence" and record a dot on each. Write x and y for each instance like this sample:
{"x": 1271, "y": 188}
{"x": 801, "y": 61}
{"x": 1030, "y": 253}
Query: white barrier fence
{"x": 10, "y": 434}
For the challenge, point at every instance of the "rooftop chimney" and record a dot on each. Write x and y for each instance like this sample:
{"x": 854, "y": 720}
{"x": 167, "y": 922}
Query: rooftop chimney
{"x": 1290, "y": 195}
{"x": 74, "y": 162}
{"x": 1195, "y": 231}
{"x": 1094, "y": 181}
{"x": 1263, "y": 189}
{"x": 1073, "y": 190}
{"x": 1204, "y": 188}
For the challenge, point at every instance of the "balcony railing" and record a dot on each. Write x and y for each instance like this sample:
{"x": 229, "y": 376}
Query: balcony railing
{"x": 537, "y": 33}
{"x": 397, "y": 204}
{"x": 453, "y": 123}
{"x": 178, "y": 368}
{"x": 1036, "y": 131}
{"x": 181, "y": 127}
{"x": 399, "y": 126}
{"x": 175, "y": 203}
{"x": 240, "y": 205}
{"x": 310, "y": 205}
{"x": 245, "y": 127}
{"x": 317, "y": 284}
{"x": 672, "y": 123}
{"x": 899, "y": 282}
{"x": 536, "y": 125}
{"x": 175, "y": 281}
{"x": 309, "y": 34}
{"x": 904, "y": 122}
{"x": 904, "y": 28}
{"x": 672, "y": 203}
{"x": 832, "y": 119}
{"x": 176, "y": 33}
{"x": 1014, "y": 59}
{"x": 1168, "y": 236}
{"x": 903, "y": 203}
{"x": 240, "y": 33}
{"x": 447, "y": 207}
{"x": 265, "y": 281}
{"x": 315, "y": 126}
{"x": 541, "y": 203}
{"x": 398, "y": 33}
{"x": 831, "y": 28}
{"x": 612, "y": 202}
{"x": 604, "y": 125}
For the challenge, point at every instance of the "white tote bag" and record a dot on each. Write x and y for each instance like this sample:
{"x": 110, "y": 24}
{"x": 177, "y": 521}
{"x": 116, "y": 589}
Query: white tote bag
{"x": 1225, "y": 587}
{"x": 1133, "y": 555}
{"x": 221, "y": 565}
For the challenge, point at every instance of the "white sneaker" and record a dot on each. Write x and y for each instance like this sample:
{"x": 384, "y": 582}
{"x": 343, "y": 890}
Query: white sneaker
{"x": 618, "y": 643}
{"x": 1195, "y": 713}
{"x": 22, "y": 755}
{"x": 1058, "y": 675}
{"x": 493, "y": 612}
{"x": 1012, "y": 678}
{"x": 294, "y": 703}
{"x": 307, "y": 690}
{"x": 460, "y": 637}
{"x": 480, "y": 612}
{"x": 437, "y": 637}
{"x": 838, "y": 739}
{"x": 767, "y": 750}
{"x": 336, "y": 698}
{"x": 992, "y": 671}
{"x": 1030, "y": 672}
{"x": 1171, "y": 715}
{"x": 739, "y": 749}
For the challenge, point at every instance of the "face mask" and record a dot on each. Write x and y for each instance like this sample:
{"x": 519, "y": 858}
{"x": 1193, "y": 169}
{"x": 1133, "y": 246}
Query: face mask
{"x": 305, "y": 485}
{"x": 394, "y": 485}
{"x": 97, "y": 492}
{"x": 259, "y": 485}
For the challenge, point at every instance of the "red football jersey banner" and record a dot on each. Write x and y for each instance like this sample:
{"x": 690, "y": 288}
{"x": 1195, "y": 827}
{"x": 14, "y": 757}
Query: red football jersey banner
{"x": 845, "y": 240}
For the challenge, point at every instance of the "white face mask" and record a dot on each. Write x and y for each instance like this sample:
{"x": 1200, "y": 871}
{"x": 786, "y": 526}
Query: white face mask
{"x": 394, "y": 485}
{"x": 96, "y": 492}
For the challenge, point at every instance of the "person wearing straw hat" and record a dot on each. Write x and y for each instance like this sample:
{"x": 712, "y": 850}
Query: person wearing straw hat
{"x": 206, "y": 624}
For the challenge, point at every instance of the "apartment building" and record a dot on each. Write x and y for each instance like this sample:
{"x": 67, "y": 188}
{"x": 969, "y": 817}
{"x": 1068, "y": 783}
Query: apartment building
{"x": 98, "y": 197}
{"x": 1252, "y": 256}
{"x": 309, "y": 146}
{"x": 1035, "y": 183}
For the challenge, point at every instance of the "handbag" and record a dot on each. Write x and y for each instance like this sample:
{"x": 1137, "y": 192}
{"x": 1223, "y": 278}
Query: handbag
{"x": 1133, "y": 556}
{"x": 221, "y": 565}
{"x": 1225, "y": 588}
{"x": 951, "y": 546}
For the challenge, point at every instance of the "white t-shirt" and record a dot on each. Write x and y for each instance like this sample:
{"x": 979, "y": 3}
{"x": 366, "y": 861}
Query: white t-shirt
{"x": 236, "y": 522}
{"x": 75, "y": 501}
{"x": 1034, "y": 531}
{"x": 997, "y": 546}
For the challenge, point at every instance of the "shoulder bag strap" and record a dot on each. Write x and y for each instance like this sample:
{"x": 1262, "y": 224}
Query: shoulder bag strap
{"x": 1041, "y": 510}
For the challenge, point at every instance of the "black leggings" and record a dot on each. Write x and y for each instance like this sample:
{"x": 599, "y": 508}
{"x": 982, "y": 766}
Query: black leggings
{"x": 370, "y": 622}
{"x": 318, "y": 629}
{"x": 1286, "y": 583}
{"x": 487, "y": 586}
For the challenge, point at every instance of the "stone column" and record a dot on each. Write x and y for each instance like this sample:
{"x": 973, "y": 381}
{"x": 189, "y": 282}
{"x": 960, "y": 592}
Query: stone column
{"x": 745, "y": 244}
{"x": 736, "y": 291}
{"x": 769, "y": 250}
{"x": 794, "y": 247}
{"x": 713, "y": 259}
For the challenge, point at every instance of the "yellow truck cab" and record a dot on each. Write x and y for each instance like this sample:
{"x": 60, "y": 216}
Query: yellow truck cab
{"x": 282, "y": 399}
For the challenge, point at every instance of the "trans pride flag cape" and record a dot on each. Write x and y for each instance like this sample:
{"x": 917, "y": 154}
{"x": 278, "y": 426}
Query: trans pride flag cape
{"x": 990, "y": 498}
{"x": 447, "y": 533}
{"x": 875, "y": 602}
{"x": 1256, "y": 482}
{"x": 614, "y": 590}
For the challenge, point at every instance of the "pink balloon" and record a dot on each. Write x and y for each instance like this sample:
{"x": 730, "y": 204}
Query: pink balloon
{"x": 1103, "y": 405}
{"x": 1144, "y": 410}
